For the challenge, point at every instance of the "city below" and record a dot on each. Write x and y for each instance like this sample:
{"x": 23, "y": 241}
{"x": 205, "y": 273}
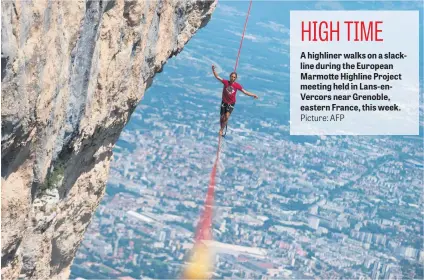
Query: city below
{"x": 329, "y": 207}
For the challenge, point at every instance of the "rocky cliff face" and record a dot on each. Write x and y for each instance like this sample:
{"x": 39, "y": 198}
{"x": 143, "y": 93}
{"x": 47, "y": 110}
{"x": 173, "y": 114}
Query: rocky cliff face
{"x": 72, "y": 74}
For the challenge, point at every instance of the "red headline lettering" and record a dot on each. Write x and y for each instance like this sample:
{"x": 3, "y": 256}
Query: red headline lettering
{"x": 356, "y": 31}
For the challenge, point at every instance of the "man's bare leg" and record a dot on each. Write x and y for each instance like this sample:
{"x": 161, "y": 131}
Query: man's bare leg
{"x": 224, "y": 121}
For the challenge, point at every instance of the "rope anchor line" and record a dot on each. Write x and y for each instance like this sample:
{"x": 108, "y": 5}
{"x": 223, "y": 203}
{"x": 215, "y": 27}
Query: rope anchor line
{"x": 242, "y": 36}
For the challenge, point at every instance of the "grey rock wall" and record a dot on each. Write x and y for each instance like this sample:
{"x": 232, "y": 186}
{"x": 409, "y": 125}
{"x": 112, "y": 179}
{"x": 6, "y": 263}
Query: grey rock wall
{"x": 72, "y": 74}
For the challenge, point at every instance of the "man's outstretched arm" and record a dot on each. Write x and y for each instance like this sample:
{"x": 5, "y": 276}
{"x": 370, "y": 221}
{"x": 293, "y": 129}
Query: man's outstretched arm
{"x": 214, "y": 73}
{"x": 249, "y": 93}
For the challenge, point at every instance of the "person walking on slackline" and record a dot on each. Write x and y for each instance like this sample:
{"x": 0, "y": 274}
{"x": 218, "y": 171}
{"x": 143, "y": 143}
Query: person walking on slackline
{"x": 229, "y": 92}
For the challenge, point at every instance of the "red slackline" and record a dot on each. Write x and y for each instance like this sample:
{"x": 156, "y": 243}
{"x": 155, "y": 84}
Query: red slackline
{"x": 205, "y": 222}
{"x": 242, "y": 36}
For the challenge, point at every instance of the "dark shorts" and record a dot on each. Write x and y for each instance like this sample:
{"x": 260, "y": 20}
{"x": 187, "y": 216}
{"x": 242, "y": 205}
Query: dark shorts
{"x": 227, "y": 108}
